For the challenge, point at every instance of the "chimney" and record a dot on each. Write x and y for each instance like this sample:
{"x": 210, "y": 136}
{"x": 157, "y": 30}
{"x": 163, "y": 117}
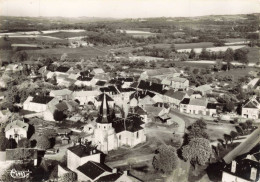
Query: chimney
{"x": 233, "y": 166}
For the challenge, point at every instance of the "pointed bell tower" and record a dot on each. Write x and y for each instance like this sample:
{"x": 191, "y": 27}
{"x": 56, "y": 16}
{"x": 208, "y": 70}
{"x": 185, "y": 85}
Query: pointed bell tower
{"x": 104, "y": 115}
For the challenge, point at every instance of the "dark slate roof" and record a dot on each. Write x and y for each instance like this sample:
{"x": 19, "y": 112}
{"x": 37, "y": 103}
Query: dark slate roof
{"x": 139, "y": 110}
{"x": 93, "y": 169}
{"x": 84, "y": 78}
{"x": 133, "y": 123}
{"x": 185, "y": 101}
{"x": 129, "y": 79}
{"x": 126, "y": 89}
{"x": 62, "y": 69}
{"x": 176, "y": 95}
{"x": 257, "y": 156}
{"x": 85, "y": 73}
{"x": 62, "y": 106}
{"x": 109, "y": 178}
{"x": 42, "y": 99}
{"x": 141, "y": 94}
{"x": 82, "y": 151}
{"x": 243, "y": 169}
{"x": 100, "y": 83}
{"x": 110, "y": 89}
{"x": 155, "y": 87}
{"x": 211, "y": 106}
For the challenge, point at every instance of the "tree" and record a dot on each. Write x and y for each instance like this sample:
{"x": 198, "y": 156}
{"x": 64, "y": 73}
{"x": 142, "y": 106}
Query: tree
{"x": 43, "y": 142}
{"x": 24, "y": 143}
{"x": 198, "y": 151}
{"x": 249, "y": 123}
{"x": 20, "y": 56}
{"x": 58, "y": 115}
{"x": 228, "y": 57}
{"x": 195, "y": 71}
{"x": 229, "y": 107}
{"x": 233, "y": 135}
{"x": 241, "y": 55}
{"x": 166, "y": 159}
{"x": 3, "y": 143}
{"x": 192, "y": 54}
{"x": 69, "y": 177}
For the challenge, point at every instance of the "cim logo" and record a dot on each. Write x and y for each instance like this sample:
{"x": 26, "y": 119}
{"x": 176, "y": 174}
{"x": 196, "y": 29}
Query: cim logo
{"x": 19, "y": 174}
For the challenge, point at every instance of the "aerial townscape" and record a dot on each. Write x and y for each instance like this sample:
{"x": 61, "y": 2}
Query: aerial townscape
{"x": 86, "y": 99}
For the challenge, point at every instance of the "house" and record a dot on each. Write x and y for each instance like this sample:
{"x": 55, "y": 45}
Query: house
{"x": 83, "y": 97}
{"x": 89, "y": 127}
{"x": 85, "y": 161}
{"x": 149, "y": 86}
{"x": 85, "y": 81}
{"x": 16, "y": 129}
{"x": 173, "y": 98}
{"x": 245, "y": 170}
{"x": 63, "y": 94}
{"x": 198, "y": 106}
{"x": 253, "y": 84}
{"x": 137, "y": 96}
{"x": 39, "y": 103}
{"x": 251, "y": 109}
{"x": 160, "y": 73}
{"x": 141, "y": 112}
{"x": 155, "y": 112}
{"x": 13, "y": 67}
{"x": 176, "y": 83}
{"x": 204, "y": 89}
{"x": 97, "y": 71}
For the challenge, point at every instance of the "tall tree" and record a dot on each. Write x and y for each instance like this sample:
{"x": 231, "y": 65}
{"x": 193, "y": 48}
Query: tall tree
{"x": 228, "y": 57}
{"x": 198, "y": 151}
{"x": 166, "y": 159}
{"x": 192, "y": 54}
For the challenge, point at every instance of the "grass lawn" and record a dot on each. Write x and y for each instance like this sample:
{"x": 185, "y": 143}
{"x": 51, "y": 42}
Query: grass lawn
{"x": 254, "y": 54}
{"x": 237, "y": 73}
{"x": 86, "y": 52}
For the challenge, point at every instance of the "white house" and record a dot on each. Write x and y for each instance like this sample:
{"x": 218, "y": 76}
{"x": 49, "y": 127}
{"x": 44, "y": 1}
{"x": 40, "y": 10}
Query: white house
{"x": 204, "y": 89}
{"x": 174, "y": 98}
{"x": 39, "y": 103}
{"x": 176, "y": 83}
{"x": 252, "y": 108}
{"x": 16, "y": 129}
{"x": 160, "y": 73}
{"x": 97, "y": 71}
{"x": 63, "y": 94}
{"x": 85, "y": 96}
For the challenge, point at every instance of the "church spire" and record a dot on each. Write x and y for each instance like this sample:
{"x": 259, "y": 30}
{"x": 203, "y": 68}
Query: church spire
{"x": 104, "y": 111}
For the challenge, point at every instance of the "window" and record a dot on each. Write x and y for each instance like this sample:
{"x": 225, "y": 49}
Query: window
{"x": 137, "y": 134}
{"x": 119, "y": 137}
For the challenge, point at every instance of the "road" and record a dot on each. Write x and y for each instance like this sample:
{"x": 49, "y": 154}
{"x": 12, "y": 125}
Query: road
{"x": 137, "y": 159}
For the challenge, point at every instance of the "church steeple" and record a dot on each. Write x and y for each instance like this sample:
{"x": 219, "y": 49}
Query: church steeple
{"x": 104, "y": 115}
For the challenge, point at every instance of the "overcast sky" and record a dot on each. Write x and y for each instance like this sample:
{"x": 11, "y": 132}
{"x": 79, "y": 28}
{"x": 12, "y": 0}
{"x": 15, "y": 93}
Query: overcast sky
{"x": 127, "y": 8}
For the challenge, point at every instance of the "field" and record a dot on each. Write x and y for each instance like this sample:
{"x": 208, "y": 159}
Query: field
{"x": 254, "y": 54}
{"x": 64, "y": 35}
{"x": 77, "y": 53}
{"x": 185, "y": 45}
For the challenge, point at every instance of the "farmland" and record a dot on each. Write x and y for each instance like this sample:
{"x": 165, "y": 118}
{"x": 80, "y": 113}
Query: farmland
{"x": 78, "y": 53}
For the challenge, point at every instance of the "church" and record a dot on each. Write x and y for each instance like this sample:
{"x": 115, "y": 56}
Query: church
{"x": 112, "y": 132}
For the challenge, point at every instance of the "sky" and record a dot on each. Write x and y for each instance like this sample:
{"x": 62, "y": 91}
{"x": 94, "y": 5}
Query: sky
{"x": 127, "y": 8}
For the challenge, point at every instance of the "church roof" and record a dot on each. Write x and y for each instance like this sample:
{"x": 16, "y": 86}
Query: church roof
{"x": 132, "y": 123}
{"x": 104, "y": 114}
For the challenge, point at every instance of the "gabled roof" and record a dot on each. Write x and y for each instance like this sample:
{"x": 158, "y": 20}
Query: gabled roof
{"x": 61, "y": 92}
{"x": 85, "y": 93}
{"x": 203, "y": 88}
{"x": 82, "y": 151}
{"x": 155, "y": 87}
{"x": 132, "y": 123}
{"x": 198, "y": 102}
{"x": 98, "y": 71}
{"x": 17, "y": 123}
{"x": 178, "y": 79}
{"x": 100, "y": 83}
{"x": 112, "y": 89}
{"x": 93, "y": 169}
{"x": 176, "y": 95}
{"x": 62, "y": 69}
{"x": 42, "y": 99}
{"x": 109, "y": 178}
{"x": 139, "y": 110}
{"x": 83, "y": 78}
{"x": 252, "y": 103}
{"x": 185, "y": 101}
{"x": 141, "y": 94}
